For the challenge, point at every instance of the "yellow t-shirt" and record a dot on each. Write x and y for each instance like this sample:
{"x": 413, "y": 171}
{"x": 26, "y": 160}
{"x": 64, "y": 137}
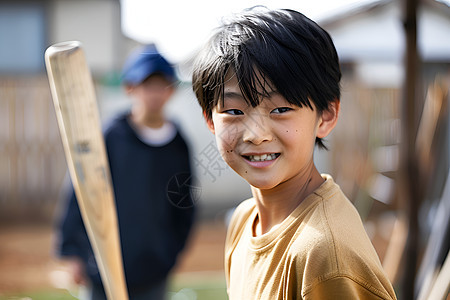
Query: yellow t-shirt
{"x": 320, "y": 251}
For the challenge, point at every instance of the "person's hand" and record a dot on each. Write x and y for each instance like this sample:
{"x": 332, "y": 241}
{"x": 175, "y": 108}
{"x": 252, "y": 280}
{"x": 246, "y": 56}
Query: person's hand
{"x": 77, "y": 270}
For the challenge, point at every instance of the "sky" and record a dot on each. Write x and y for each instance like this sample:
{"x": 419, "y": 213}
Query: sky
{"x": 179, "y": 28}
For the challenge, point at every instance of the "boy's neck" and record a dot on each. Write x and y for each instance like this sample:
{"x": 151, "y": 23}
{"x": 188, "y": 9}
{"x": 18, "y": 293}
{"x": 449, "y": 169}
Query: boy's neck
{"x": 276, "y": 204}
{"x": 155, "y": 120}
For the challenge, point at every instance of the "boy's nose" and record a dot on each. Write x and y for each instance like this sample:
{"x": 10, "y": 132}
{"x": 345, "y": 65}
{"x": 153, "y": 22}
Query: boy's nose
{"x": 256, "y": 130}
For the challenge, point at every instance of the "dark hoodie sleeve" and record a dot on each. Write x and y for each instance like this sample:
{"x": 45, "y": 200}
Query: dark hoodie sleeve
{"x": 72, "y": 237}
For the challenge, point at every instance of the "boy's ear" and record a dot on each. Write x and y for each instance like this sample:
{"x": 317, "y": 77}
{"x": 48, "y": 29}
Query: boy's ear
{"x": 328, "y": 119}
{"x": 128, "y": 88}
{"x": 171, "y": 90}
{"x": 209, "y": 123}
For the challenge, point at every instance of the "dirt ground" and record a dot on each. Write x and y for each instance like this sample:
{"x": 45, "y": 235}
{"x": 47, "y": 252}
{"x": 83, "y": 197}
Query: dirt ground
{"x": 27, "y": 262}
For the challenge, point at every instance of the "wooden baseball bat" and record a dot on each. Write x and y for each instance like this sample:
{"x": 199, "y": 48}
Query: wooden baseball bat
{"x": 79, "y": 123}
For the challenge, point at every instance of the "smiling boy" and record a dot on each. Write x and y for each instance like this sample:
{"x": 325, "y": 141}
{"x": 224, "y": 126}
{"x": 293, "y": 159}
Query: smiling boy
{"x": 268, "y": 84}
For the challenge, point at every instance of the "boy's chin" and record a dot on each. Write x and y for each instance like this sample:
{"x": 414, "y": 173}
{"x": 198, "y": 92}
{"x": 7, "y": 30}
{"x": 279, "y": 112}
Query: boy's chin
{"x": 262, "y": 184}
{"x": 259, "y": 181}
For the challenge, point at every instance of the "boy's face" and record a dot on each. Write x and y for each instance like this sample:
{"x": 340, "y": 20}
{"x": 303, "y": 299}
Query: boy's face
{"x": 271, "y": 143}
{"x": 152, "y": 94}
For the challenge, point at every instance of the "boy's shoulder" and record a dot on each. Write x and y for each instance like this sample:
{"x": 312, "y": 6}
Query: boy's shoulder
{"x": 242, "y": 212}
{"x": 329, "y": 219}
{"x": 116, "y": 124}
{"x": 331, "y": 240}
{"x": 239, "y": 218}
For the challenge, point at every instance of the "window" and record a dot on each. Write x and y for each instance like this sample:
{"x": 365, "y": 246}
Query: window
{"x": 22, "y": 37}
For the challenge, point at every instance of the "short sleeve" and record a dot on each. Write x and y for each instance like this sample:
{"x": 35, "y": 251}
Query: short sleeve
{"x": 342, "y": 287}
{"x": 234, "y": 231}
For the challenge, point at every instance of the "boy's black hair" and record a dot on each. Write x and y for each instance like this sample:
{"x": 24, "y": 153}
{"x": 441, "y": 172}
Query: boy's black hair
{"x": 269, "y": 50}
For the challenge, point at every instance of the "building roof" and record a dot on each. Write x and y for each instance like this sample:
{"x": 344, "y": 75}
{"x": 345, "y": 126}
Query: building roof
{"x": 373, "y": 31}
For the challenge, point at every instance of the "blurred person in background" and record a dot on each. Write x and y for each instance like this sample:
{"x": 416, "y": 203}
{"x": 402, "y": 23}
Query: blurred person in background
{"x": 146, "y": 152}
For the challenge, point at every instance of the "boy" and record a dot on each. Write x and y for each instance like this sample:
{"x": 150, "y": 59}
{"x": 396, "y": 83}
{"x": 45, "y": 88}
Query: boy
{"x": 146, "y": 152}
{"x": 268, "y": 84}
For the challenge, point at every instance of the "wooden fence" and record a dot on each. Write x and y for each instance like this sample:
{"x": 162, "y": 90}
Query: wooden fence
{"x": 363, "y": 148}
{"x": 33, "y": 169}
{"x": 32, "y": 164}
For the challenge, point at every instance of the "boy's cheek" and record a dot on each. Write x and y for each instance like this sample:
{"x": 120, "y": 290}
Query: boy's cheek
{"x": 227, "y": 137}
{"x": 225, "y": 146}
{"x": 226, "y": 143}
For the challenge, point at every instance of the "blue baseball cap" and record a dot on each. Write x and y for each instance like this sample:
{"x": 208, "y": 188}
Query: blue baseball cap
{"x": 144, "y": 62}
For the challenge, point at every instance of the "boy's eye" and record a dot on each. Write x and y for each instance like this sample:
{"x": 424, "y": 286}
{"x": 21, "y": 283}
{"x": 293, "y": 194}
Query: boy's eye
{"x": 280, "y": 110}
{"x": 234, "y": 112}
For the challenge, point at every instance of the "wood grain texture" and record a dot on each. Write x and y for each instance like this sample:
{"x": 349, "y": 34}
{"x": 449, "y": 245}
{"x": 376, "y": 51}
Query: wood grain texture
{"x": 78, "y": 119}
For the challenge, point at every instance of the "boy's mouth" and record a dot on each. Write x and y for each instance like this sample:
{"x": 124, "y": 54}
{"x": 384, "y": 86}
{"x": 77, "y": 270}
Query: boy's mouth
{"x": 262, "y": 157}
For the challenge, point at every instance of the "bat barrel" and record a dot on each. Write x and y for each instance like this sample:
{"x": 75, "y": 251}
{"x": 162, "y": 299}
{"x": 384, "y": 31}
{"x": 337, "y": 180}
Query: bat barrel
{"x": 77, "y": 114}
{"x": 61, "y": 48}
{"x": 65, "y": 45}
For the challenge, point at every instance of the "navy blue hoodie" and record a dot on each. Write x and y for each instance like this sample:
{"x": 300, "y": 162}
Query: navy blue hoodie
{"x": 153, "y": 224}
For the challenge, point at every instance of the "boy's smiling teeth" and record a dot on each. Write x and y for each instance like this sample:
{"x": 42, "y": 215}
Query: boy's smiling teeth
{"x": 263, "y": 157}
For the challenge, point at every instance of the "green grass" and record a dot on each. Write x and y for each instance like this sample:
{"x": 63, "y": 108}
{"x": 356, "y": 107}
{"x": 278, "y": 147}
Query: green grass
{"x": 196, "y": 286}
{"x": 41, "y": 295}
